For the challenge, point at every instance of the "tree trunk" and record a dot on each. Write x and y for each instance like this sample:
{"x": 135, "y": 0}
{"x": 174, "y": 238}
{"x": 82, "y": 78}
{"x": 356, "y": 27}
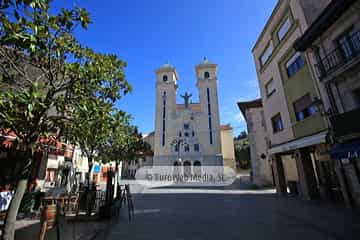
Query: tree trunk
{"x": 9, "y": 231}
{"x": 116, "y": 179}
{"x": 89, "y": 172}
{"x": 89, "y": 189}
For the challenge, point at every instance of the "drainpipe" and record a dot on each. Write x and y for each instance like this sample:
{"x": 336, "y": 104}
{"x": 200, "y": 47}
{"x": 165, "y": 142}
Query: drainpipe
{"x": 332, "y": 99}
{"x": 339, "y": 96}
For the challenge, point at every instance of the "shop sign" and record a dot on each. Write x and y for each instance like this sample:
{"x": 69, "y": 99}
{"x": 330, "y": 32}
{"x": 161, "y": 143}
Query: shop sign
{"x": 353, "y": 155}
{"x": 345, "y": 161}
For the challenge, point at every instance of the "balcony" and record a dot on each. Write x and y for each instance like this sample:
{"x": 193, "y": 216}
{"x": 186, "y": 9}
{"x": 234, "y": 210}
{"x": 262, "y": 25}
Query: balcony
{"x": 346, "y": 125}
{"x": 345, "y": 53}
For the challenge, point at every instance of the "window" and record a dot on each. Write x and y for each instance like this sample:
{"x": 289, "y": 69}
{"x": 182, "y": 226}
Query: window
{"x": 206, "y": 75}
{"x": 348, "y": 42}
{"x": 176, "y": 147}
{"x": 186, "y": 134}
{"x": 277, "y": 123}
{"x": 266, "y": 54}
{"x": 186, "y": 148}
{"x": 179, "y": 134}
{"x": 209, "y": 115}
{"x": 196, "y": 147}
{"x": 165, "y": 78}
{"x": 294, "y": 64}
{"x": 304, "y": 107}
{"x": 284, "y": 29}
{"x": 193, "y": 133}
{"x": 164, "y": 118}
{"x": 270, "y": 88}
{"x": 186, "y": 126}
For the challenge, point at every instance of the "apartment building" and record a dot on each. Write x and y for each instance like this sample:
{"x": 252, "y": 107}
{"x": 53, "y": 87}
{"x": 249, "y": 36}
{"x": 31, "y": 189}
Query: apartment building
{"x": 332, "y": 44}
{"x": 296, "y": 130}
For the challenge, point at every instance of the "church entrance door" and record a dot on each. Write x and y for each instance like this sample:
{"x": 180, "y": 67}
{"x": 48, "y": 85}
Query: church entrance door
{"x": 197, "y": 168}
{"x": 187, "y": 168}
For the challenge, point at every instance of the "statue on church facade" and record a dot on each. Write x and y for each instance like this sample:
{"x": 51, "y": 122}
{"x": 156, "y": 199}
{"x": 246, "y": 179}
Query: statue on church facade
{"x": 186, "y": 98}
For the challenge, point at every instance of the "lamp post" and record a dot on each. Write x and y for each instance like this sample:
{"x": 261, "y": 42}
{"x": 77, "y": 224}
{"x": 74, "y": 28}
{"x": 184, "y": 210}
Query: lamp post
{"x": 327, "y": 114}
{"x": 178, "y": 143}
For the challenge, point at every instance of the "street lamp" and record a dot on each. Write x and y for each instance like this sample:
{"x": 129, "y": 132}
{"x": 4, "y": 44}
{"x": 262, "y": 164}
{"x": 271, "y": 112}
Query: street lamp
{"x": 178, "y": 143}
{"x": 327, "y": 114}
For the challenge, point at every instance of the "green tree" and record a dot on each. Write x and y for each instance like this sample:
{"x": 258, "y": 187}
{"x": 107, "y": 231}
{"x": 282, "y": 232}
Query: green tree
{"x": 124, "y": 143}
{"x": 45, "y": 73}
{"x": 242, "y": 135}
{"x": 242, "y": 151}
{"x": 90, "y": 127}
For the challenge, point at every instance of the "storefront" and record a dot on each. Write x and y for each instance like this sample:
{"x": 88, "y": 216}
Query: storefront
{"x": 303, "y": 167}
{"x": 347, "y": 160}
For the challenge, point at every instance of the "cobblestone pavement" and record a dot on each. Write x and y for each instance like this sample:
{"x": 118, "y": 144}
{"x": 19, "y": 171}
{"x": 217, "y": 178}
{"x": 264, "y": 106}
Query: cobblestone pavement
{"x": 232, "y": 214}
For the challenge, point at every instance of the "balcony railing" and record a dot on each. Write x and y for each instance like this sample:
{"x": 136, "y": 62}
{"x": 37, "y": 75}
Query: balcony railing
{"x": 344, "y": 53}
{"x": 346, "y": 125}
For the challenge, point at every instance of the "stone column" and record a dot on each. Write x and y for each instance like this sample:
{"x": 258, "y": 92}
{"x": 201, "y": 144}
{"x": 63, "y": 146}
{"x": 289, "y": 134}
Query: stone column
{"x": 279, "y": 174}
{"x": 307, "y": 179}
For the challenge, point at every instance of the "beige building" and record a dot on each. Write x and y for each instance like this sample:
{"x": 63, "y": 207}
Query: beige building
{"x": 332, "y": 45}
{"x": 227, "y": 146}
{"x": 80, "y": 165}
{"x": 296, "y": 131}
{"x": 253, "y": 113}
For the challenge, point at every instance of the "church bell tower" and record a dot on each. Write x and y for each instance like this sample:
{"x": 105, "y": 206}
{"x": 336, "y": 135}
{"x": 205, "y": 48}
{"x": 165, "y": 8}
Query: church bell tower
{"x": 166, "y": 87}
{"x": 207, "y": 83}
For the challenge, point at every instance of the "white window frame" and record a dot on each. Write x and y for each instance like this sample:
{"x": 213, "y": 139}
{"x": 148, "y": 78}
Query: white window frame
{"x": 284, "y": 29}
{"x": 269, "y": 91}
{"x": 266, "y": 54}
{"x": 292, "y": 59}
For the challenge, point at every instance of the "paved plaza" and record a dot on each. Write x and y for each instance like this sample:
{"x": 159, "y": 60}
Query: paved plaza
{"x": 232, "y": 214}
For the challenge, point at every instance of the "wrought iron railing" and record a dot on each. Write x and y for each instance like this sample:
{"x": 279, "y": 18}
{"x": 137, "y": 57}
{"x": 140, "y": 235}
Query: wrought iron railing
{"x": 338, "y": 57}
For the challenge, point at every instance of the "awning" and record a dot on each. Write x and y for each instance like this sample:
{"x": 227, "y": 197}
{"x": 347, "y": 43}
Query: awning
{"x": 299, "y": 143}
{"x": 345, "y": 150}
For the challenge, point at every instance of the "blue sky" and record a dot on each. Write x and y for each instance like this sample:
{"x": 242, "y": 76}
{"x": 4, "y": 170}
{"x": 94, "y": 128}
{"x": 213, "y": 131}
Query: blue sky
{"x": 148, "y": 33}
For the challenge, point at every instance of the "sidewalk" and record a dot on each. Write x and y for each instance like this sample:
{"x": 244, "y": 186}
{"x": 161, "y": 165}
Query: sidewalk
{"x": 70, "y": 229}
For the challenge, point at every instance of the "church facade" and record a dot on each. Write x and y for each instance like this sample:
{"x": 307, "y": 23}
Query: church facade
{"x": 187, "y": 134}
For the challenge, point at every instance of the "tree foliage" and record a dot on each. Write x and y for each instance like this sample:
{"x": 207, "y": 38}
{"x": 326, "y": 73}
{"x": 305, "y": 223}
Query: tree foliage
{"x": 49, "y": 80}
{"x": 124, "y": 143}
{"x": 242, "y": 151}
{"x": 46, "y": 71}
{"x": 242, "y": 135}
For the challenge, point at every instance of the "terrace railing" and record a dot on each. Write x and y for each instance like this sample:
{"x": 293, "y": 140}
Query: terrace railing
{"x": 343, "y": 54}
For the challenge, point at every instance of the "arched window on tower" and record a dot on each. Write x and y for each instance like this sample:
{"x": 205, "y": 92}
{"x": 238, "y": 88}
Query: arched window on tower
{"x": 165, "y": 78}
{"x": 206, "y": 75}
